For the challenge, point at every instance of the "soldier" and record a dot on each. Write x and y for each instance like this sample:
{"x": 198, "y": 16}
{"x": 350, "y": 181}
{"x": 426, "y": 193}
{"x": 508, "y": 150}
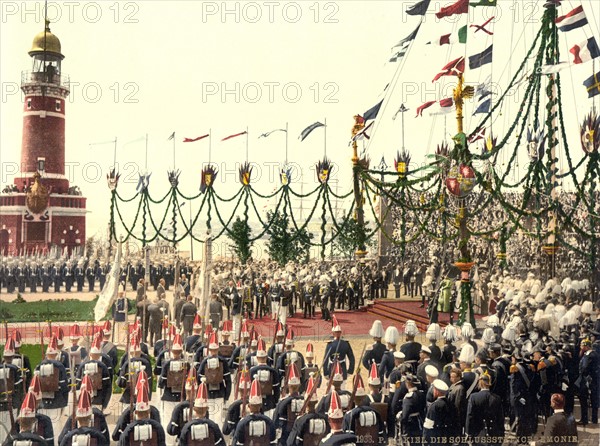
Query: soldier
{"x": 99, "y": 375}
{"x": 193, "y": 340}
{"x": 290, "y": 356}
{"x": 310, "y": 428}
{"x": 339, "y": 350}
{"x": 172, "y": 381}
{"x": 309, "y": 367}
{"x": 275, "y": 295}
{"x": 375, "y": 351}
{"x": 102, "y": 272}
{"x": 411, "y": 348}
{"x": 226, "y": 347}
{"x": 457, "y": 396}
{"x": 218, "y": 379}
{"x": 397, "y": 280}
{"x": 54, "y": 385}
{"x": 134, "y": 365}
{"x": 268, "y": 379}
{"x": 413, "y": 411}
{"x": 345, "y": 396}
{"x": 143, "y": 430}
{"x": 237, "y": 409}
{"x": 56, "y": 276}
{"x": 85, "y": 432}
{"x": 90, "y": 274}
{"x": 308, "y": 299}
{"x": 450, "y": 336}
{"x": 27, "y": 434}
{"x": 425, "y": 361}
{"x": 11, "y": 385}
{"x": 588, "y": 382}
{"x": 522, "y": 396}
{"x": 200, "y": 431}
{"x": 68, "y": 276}
{"x": 46, "y": 277}
{"x": 188, "y": 315}
{"x": 440, "y": 421}
{"x": 182, "y": 412}
{"x": 387, "y": 364}
{"x": 395, "y": 376}
{"x": 485, "y": 419}
{"x": 108, "y": 348}
{"x": 335, "y": 416}
{"x": 288, "y": 409}
{"x": 21, "y": 276}
{"x": 76, "y": 353}
{"x": 255, "y": 428}
{"x": 433, "y": 334}
{"x": 43, "y": 425}
{"x": 34, "y": 277}
{"x": 215, "y": 310}
{"x": 559, "y": 426}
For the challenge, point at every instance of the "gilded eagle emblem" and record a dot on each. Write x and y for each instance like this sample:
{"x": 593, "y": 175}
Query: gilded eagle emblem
{"x": 37, "y": 197}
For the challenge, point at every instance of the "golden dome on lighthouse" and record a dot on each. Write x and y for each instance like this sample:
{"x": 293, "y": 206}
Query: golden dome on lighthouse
{"x": 48, "y": 42}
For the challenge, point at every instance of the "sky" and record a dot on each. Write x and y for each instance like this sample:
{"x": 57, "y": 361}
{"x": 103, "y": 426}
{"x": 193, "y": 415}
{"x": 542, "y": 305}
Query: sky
{"x": 156, "y": 67}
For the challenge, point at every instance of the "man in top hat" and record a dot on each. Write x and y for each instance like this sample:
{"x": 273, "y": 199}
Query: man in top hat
{"x": 143, "y": 430}
{"x": 11, "y": 386}
{"x": 187, "y": 315}
{"x": 376, "y": 350}
{"x": 560, "y": 428}
{"x": 440, "y": 421}
{"x": 335, "y": 416}
{"x": 288, "y": 409}
{"x": 238, "y": 408}
{"x": 98, "y": 420}
{"x": 200, "y": 431}
{"x": 84, "y": 433}
{"x": 98, "y": 373}
{"x": 339, "y": 350}
{"x": 411, "y": 348}
{"x": 588, "y": 382}
{"x": 485, "y": 418}
{"x": 288, "y": 357}
{"x": 27, "y": 434}
{"x": 172, "y": 381}
{"x": 218, "y": 379}
{"x": 268, "y": 379}
{"x": 54, "y": 385}
{"x": 309, "y": 428}
{"x": 255, "y": 428}
{"x": 387, "y": 363}
{"x": 413, "y": 411}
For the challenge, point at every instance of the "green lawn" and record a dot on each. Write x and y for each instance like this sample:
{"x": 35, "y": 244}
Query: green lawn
{"x": 67, "y": 310}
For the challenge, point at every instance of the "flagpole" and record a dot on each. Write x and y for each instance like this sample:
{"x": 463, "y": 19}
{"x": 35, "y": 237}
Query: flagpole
{"x": 246, "y": 144}
{"x": 146, "y": 161}
{"x": 173, "y": 150}
{"x": 286, "y": 143}
{"x": 325, "y": 138}
{"x": 115, "y": 154}
{"x": 402, "y": 110}
{"x": 209, "y": 145}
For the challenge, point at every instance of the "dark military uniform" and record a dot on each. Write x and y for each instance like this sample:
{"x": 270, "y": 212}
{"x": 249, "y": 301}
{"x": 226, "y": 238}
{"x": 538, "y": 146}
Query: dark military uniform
{"x": 124, "y": 420}
{"x": 157, "y": 430}
{"x": 286, "y": 413}
{"x": 440, "y": 422}
{"x": 411, "y": 350}
{"x": 241, "y": 437}
{"x": 412, "y": 416}
{"x": 269, "y": 401}
{"x": 98, "y": 422}
{"x": 308, "y": 430}
{"x": 366, "y": 424}
{"x": 339, "y": 438}
{"x": 374, "y": 354}
{"x": 340, "y": 350}
{"x": 123, "y": 380}
{"x": 73, "y": 437}
{"x": 179, "y": 417}
{"x": 212, "y": 432}
{"x": 102, "y": 395}
{"x": 485, "y": 417}
{"x": 26, "y": 438}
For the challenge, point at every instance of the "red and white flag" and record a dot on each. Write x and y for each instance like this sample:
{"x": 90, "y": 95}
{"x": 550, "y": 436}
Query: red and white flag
{"x": 423, "y": 107}
{"x": 195, "y": 139}
{"x": 233, "y": 136}
{"x": 460, "y": 7}
{"x": 444, "y": 106}
{"x": 453, "y": 68}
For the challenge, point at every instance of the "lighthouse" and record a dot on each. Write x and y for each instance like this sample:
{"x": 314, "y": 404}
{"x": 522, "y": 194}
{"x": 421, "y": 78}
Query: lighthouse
{"x": 42, "y": 210}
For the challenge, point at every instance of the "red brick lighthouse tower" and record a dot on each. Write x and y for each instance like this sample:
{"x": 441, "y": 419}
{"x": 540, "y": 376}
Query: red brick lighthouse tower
{"x": 42, "y": 210}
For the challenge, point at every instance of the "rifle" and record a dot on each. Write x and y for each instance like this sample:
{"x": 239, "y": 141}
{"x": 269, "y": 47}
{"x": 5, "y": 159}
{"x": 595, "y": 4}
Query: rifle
{"x": 130, "y": 373}
{"x": 9, "y": 397}
{"x": 240, "y": 358}
{"x": 355, "y": 380}
{"x": 309, "y": 395}
{"x": 73, "y": 391}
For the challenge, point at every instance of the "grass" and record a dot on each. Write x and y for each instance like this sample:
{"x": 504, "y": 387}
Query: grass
{"x": 63, "y": 310}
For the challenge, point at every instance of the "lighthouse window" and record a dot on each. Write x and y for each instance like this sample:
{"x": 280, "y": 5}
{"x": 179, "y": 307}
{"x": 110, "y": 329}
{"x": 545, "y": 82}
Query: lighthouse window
{"x": 28, "y": 104}
{"x": 57, "y": 105}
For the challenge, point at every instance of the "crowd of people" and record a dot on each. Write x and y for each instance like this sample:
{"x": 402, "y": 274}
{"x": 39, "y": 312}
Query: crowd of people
{"x": 217, "y": 381}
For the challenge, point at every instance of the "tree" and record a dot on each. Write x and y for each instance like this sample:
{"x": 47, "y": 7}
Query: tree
{"x": 90, "y": 247}
{"x": 286, "y": 244}
{"x": 240, "y": 235}
{"x": 351, "y": 237}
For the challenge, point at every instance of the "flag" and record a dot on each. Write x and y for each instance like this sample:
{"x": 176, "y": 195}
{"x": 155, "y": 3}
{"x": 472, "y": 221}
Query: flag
{"x": 452, "y": 68}
{"x": 592, "y": 85}
{"x": 373, "y": 111}
{"x": 402, "y": 109}
{"x": 308, "y": 130}
{"x": 362, "y": 134}
{"x": 460, "y": 7}
{"x": 553, "y": 68}
{"x": 574, "y": 19}
{"x": 171, "y": 137}
{"x": 233, "y": 136}
{"x": 423, "y": 107}
{"x": 419, "y": 8}
{"x": 266, "y": 135}
{"x": 479, "y": 134}
{"x": 483, "y": 58}
{"x": 444, "y": 106}
{"x": 108, "y": 294}
{"x": 408, "y": 38}
{"x": 585, "y": 51}
{"x": 482, "y": 27}
{"x": 459, "y": 36}
{"x": 484, "y": 3}
{"x": 399, "y": 55}
{"x": 195, "y": 139}
{"x": 484, "y": 103}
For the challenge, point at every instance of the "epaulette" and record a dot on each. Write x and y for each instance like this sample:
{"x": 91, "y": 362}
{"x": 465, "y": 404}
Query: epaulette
{"x": 552, "y": 359}
{"x": 532, "y": 367}
{"x": 541, "y": 366}
{"x": 409, "y": 394}
{"x": 514, "y": 368}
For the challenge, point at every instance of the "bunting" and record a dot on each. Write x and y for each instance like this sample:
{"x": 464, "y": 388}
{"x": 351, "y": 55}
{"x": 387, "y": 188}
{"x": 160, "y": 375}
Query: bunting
{"x": 459, "y": 36}
{"x": 585, "y": 51}
{"x": 481, "y": 59}
{"x": 460, "y": 7}
{"x": 308, "y": 130}
{"x": 195, "y": 139}
{"x": 452, "y": 68}
{"x": 592, "y": 85}
{"x": 419, "y": 8}
{"x": 233, "y": 136}
{"x": 573, "y": 20}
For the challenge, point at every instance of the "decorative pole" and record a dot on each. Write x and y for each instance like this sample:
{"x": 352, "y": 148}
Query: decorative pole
{"x": 359, "y": 124}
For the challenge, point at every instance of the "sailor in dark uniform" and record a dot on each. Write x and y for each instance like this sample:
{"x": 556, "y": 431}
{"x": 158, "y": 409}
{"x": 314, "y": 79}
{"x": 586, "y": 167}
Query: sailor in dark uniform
{"x": 238, "y": 408}
{"x": 276, "y": 349}
{"x": 335, "y": 415}
{"x": 96, "y": 370}
{"x": 143, "y": 428}
{"x": 375, "y": 351}
{"x": 440, "y": 421}
{"x": 345, "y": 396}
{"x": 413, "y": 411}
{"x": 255, "y": 428}
{"x": 77, "y": 354}
{"x": 108, "y": 348}
{"x": 97, "y": 421}
{"x": 27, "y": 426}
{"x": 172, "y": 381}
{"x": 395, "y": 375}
{"x": 135, "y": 364}
{"x": 200, "y": 431}
{"x": 10, "y": 377}
{"x": 268, "y": 378}
{"x": 182, "y": 413}
{"x": 84, "y": 432}
{"x": 309, "y": 429}
{"x": 434, "y": 334}
{"x": 340, "y": 350}
{"x": 43, "y": 424}
{"x": 485, "y": 418}
{"x": 288, "y": 409}
{"x": 411, "y": 348}
{"x": 193, "y": 341}
{"x": 288, "y": 357}
{"x": 378, "y": 401}
{"x": 125, "y": 419}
